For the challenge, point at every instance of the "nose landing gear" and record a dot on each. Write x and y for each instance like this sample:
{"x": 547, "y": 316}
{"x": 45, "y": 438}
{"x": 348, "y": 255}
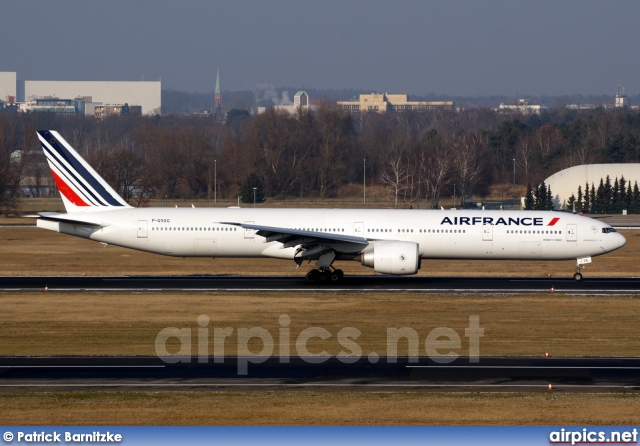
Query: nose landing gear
{"x": 580, "y": 263}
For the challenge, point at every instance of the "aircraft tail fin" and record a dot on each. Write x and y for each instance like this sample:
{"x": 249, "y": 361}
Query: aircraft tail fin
{"x": 81, "y": 187}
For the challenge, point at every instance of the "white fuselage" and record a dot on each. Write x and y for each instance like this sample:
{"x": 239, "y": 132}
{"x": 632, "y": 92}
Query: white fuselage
{"x": 454, "y": 234}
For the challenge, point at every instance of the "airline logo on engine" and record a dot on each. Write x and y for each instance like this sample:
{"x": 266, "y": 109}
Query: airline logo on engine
{"x": 472, "y": 221}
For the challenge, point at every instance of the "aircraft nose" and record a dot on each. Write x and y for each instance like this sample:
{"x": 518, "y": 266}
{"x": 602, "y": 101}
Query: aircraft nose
{"x": 621, "y": 240}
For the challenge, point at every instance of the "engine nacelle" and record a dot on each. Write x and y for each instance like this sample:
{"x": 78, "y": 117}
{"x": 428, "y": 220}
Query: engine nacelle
{"x": 393, "y": 258}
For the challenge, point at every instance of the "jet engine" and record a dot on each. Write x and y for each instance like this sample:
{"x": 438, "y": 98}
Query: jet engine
{"x": 398, "y": 258}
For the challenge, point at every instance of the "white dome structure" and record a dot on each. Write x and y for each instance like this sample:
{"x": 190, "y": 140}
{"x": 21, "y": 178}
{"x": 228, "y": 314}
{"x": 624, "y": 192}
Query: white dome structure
{"x": 565, "y": 183}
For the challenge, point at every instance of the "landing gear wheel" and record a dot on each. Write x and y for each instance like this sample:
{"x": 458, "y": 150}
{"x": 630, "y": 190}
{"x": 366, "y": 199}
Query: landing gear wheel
{"x": 577, "y": 277}
{"x": 334, "y": 276}
{"x": 325, "y": 276}
{"x": 313, "y": 276}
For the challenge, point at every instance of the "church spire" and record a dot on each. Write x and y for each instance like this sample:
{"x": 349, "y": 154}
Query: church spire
{"x": 217, "y": 95}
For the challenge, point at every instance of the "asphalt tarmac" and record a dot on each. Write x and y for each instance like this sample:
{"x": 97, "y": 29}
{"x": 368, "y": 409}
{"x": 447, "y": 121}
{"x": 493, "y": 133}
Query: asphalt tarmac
{"x": 353, "y": 284}
{"x": 484, "y": 374}
{"x": 488, "y": 374}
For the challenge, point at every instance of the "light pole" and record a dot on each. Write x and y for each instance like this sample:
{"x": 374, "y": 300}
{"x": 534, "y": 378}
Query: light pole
{"x": 454, "y": 195}
{"x": 239, "y": 197}
{"x": 215, "y": 182}
{"x": 514, "y": 171}
{"x": 364, "y": 182}
{"x": 254, "y": 196}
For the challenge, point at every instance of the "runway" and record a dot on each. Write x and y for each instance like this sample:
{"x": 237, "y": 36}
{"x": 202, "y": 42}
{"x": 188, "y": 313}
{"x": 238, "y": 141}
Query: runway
{"x": 351, "y": 284}
{"x": 489, "y": 374}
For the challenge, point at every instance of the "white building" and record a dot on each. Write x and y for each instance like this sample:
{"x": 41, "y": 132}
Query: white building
{"x": 565, "y": 183}
{"x": 7, "y": 86}
{"x": 523, "y": 107}
{"x": 300, "y": 102}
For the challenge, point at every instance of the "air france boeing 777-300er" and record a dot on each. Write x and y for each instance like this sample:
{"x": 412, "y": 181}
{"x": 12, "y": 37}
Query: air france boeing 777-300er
{"x": 391, "y": 241}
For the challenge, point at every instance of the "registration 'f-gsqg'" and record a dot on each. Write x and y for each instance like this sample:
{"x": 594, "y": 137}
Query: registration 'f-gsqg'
{"x": 390, "y": 241}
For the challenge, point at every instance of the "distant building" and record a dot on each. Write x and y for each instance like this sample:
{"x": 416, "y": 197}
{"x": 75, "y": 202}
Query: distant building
{"x": 523, "y": 106}
{"x": 621, "y": 101}
{"x": 381, "y": 103}
{"x": 103, "y": 111}
{"x": 9, "y": 105}
{"x": 56, "y": 105}
{"x": 300, "y": 102}
{"x": 144, "y": 94}
{"x": 8, "y": 85}
{"x": 582, "y": 106}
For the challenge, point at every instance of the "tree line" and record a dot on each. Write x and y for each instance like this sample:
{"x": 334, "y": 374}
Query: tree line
{"x": 607, "y": 198}
{"x": 414, "y": 158}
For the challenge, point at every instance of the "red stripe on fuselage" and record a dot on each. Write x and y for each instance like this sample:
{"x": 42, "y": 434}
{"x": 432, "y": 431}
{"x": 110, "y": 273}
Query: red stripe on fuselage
{"x": 553, "y": 221}
{"x": 68, "y": 193}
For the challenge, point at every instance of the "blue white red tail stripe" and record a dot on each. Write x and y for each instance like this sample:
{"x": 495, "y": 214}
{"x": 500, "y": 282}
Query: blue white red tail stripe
{"x": 67, "y": 181}
{"x": 80, "y": 186}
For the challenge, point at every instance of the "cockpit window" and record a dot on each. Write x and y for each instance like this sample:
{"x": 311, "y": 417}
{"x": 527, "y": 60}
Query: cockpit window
{"x": 607, "y": 230}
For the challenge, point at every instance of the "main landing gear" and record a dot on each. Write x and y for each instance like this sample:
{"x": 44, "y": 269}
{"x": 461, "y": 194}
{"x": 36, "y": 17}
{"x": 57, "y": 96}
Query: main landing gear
{"x": 325, "y": 275}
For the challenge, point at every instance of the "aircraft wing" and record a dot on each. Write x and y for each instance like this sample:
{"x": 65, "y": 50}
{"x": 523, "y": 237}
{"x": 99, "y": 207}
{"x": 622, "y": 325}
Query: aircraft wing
{"x": 74, "y": 220}
{"x": 310, "y": 242}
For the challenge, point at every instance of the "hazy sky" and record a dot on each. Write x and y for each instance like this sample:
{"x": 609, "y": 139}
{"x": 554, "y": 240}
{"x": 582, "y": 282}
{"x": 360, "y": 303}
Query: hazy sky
{"x": 452, "y": 47}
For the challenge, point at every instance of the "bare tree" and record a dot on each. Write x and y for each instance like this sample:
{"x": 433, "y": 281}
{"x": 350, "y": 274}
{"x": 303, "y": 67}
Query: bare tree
{"x": 334, "y": 140}
{"x": 435, "y": 164}
{"x": 467, "y": 162}
{"x": 524, "y": 153}
{"x": 396, "y": 171}
{"x": 395, "y": 174}
{"x": 548, "y": 141}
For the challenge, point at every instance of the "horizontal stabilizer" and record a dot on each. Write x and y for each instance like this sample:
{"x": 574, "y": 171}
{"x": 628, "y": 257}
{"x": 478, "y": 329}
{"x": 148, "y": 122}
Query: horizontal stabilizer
{"x": 74, "y": 220}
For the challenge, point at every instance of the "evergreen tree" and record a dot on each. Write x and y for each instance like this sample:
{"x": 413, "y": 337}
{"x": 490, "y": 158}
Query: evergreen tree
{"x": 579, "y": 200}
{"x": 635, "y": 199}
{"x": 622, "y": 195}
{"x": 247, "y": 192}
{"x": 549, "y": 199}
{"x": 627, "y": 199}
{"x": 592, "y": 196}
{"x": 606, "y": 197}
{"x": 600, "y": 201}
{"x": 541, "y": 197}
{"x": 615, "y": 197}
{"x": 571, "y": 202}
{"x": 587, "y": 198}
{"x": 528, "y": 199}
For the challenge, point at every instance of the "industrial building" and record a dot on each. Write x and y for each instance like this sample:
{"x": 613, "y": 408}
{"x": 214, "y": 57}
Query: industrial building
{"x": 381, "y": 103}
{"x": 142, "y": 95}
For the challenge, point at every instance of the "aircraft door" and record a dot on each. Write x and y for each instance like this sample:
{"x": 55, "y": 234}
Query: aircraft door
{"x": 487, "y": 233}
{"x": 142, "y": 229}
{"x": 358, "y": 229}
{"x": 572, "y": 233}
{"x": 249, "y": 233}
